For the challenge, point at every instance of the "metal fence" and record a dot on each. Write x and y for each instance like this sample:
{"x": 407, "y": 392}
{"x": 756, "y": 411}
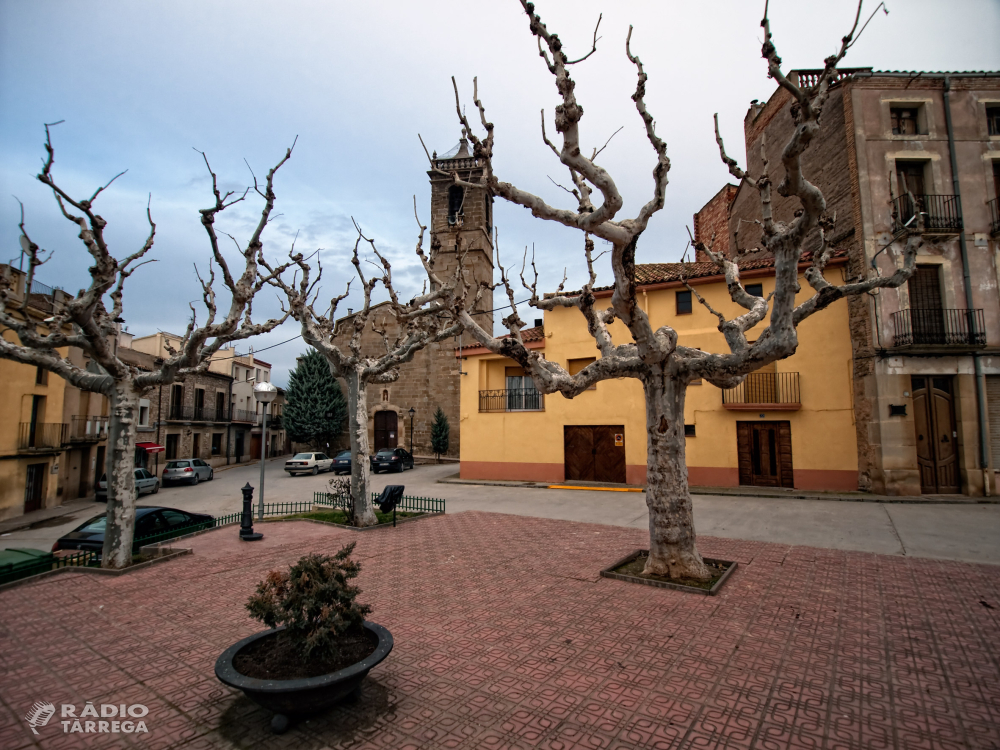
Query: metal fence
{"x": 511, "y": 399}
{"x": 994, "y": 216}
{"x": 941, "y": 213}
{"x": 765, "y": 388}
{"x": 936, "y": 327}
{"x": 407, "y": 503}
{"x": 15, "y": 572}
{"x": 38, "y": 436}
{"x": 88, "y": 428}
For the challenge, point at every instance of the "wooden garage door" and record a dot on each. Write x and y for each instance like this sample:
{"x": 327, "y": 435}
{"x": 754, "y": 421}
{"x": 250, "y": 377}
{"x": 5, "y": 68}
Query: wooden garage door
{"x": 764, "y": 451}
{"x": 594, "y": 453}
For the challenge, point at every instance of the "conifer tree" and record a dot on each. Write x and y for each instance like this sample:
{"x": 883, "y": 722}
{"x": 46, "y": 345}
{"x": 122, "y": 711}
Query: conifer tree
{"x": 440, "y": 432}
{"x": 313, "y": 393}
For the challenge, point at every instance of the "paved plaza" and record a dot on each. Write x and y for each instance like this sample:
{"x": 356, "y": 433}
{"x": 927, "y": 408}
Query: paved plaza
{"x": 506, "y": 637}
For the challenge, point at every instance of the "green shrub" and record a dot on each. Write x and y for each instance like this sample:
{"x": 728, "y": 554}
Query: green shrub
{"x": 313, "y": 600}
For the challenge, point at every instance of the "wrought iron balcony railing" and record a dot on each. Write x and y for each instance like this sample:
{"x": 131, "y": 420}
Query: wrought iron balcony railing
{"x": 245, "y": 415}
{"x": 994, "y": 216}
{"x": 942, "y": 214}
{"x": 773, "y": 390}
{"x": 511, "y": 399}
{"x": 41, "y": 436}
{"x": 934, "y": 327}
{"x": 178, "y": 413}
{"x": 88, "y": 428}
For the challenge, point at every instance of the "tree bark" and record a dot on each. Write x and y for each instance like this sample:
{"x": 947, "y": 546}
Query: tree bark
{"x": 357, "y": 426}
{"x": 120, "y": 527}
{"x": 672, "y": 549}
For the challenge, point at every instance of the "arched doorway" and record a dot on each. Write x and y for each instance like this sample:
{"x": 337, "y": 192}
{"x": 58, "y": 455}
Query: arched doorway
{"x": 386, "y": 432}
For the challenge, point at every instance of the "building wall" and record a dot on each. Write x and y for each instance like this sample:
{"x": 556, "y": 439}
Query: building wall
{"x": 711, "y": 223}
{"x": 529, "y": 445}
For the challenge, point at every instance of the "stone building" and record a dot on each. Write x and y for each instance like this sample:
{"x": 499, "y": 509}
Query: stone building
{"x": 459, "y": 218}
{"x": 925, "y": 357}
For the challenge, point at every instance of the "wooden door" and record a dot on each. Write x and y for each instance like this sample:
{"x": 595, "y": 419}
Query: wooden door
{"x": 594, "y": 453}
{"x": 83, "y": 490}
{"x": 254, "y": 446}
{"x": 386, "y": 430}
{"x": 578, "y": 446}
{"x": 34, "y": 487}
{"x": 934, "y": 423}
{"x": 764, "y": 451}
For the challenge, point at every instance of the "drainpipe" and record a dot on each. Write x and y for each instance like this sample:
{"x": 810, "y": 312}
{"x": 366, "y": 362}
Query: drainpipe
{"x": 159, "y": 423}
{"x": 967, "y": 278}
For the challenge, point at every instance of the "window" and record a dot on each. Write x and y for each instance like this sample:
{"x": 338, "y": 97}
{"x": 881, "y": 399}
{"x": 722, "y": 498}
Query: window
{"x": 904, "y": 120}
{"x": 755, "y": 290}
{"x": 144, "y": 412}
{"x": 993, "y": 120}
{"x": 575, "y": 365}
{"x": 176, "y": 400}
{"x": 258, "y": 375}
{"x": 456, "y": 201}
{"x": 220, "y": 405}
{"x": 216, "y": 443}
{"x": 248, "y": 376}
{"x": 684, "y": 302}
{"x": 689, "y": 430}
{"x": 910, "y": 177}
{"x": 521, "y": 392}
{"x": 41, "y": 376}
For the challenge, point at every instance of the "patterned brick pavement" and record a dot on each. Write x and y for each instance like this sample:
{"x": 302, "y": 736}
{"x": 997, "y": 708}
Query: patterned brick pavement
{"x": 507, "y": 638}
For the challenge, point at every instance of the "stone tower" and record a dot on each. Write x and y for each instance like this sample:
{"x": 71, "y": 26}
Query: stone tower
{"x": 465, "y": 214}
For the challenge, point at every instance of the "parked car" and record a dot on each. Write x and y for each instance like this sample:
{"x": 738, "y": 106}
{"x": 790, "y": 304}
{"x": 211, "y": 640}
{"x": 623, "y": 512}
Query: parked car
{"x": 144, "y": 482}
{"x": 187, "y": 470}
{"x": 342, "y": 462}
{"x": 391, "y": 459}
{"x": 308, "y": 463}
{"x": 169, "y": 522}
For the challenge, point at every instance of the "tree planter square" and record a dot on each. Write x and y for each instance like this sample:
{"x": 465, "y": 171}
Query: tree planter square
{"x": 616, "y": 571}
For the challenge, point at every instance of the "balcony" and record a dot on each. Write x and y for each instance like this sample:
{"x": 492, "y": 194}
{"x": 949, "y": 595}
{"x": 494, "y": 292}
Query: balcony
{"x": 41, "y": 436}
{"x": 87, "y": 429}
{"x": 942, "y": 214}
{"x": 511, "y": 399}
{"x": 196, "y": 414}
{"x": 994, "y": 216}
{"x": 934, "y": 327}
{"x": 771, "y": 391}
{"x": 245, "y": 415}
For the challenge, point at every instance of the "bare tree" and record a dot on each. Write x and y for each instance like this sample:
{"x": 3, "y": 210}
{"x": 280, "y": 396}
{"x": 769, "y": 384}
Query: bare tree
{"x": 86, "y": 322}
{"x": 423, "y": 320}
{"x": 653, "y": 356}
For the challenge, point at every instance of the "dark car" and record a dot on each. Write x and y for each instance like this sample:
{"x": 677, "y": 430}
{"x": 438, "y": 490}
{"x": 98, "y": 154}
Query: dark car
{"x": 391, "y": 459}
{"x": 342, "y": 463}
{"x": 165, "y": 523}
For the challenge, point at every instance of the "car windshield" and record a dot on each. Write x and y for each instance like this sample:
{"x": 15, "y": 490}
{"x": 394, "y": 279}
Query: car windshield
{"x": 302, "y": 456}
{"x": 384, "y": 454}
{"x": 178, "y": 464}
{"x": 97, "y": 523}
{"x": 344, "y": 454}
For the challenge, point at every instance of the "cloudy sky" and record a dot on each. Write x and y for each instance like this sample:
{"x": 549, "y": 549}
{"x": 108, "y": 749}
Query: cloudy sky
{"x": 140, "y": 85}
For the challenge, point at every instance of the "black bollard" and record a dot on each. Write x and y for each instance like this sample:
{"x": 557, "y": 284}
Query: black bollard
{"x": 246, "y": 523}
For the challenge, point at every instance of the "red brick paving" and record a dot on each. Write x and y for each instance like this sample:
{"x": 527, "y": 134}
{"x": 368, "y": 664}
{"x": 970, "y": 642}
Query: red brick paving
{"x": 507, "y": 638}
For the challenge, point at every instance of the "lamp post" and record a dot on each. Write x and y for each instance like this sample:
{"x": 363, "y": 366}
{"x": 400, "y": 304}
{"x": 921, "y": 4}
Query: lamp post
{"x": 412, "y": 412}
{"x": 265, "y": 393}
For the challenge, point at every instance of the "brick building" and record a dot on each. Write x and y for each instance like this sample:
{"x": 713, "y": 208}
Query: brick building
{"x": 925, "y": 357}
{"x": 459, "y": 217}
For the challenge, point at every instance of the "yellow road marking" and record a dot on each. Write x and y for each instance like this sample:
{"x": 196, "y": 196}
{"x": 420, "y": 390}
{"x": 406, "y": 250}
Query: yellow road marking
{"x": 599, "y": 489}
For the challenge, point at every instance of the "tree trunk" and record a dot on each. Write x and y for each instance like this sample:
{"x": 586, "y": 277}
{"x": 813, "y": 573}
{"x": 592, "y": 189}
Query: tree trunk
{"x": 120, "y": 528}
{"x": 672, "y": 550}
{"x": 357, "y": 426}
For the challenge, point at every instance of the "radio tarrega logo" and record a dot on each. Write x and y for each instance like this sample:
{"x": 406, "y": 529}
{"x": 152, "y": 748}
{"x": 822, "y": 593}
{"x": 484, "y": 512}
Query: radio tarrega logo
{"x": 39, "y": 714}
{"x": 110, "y": 718}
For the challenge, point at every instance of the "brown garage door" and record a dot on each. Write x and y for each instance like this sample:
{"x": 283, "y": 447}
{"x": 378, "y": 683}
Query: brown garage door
{"x": 594, "y": 453}
{"x": 765, "y": 453}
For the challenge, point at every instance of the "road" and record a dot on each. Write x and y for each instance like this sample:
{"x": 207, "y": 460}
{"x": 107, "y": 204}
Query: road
{"x": 952, "y": 532}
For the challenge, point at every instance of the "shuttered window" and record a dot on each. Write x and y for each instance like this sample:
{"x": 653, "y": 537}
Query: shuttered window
{"x": 993, "y": 416}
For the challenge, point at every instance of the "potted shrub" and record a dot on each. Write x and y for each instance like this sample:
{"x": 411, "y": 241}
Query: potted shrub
{"x": 319, "y": 647}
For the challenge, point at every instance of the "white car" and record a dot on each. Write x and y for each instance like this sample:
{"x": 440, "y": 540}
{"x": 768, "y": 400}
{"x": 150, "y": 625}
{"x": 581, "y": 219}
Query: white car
{"x": 308, "y": 463}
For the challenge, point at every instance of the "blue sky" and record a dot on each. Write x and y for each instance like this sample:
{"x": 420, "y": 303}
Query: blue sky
{"x": 140, "y": 84}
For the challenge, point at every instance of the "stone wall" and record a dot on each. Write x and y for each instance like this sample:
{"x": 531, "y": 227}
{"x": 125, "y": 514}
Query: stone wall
{"x": 711, "y": 223}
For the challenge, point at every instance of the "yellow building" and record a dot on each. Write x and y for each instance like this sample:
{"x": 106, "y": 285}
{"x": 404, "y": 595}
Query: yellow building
{"x": 789, "y": 425}
{"x": 53, "y": 436}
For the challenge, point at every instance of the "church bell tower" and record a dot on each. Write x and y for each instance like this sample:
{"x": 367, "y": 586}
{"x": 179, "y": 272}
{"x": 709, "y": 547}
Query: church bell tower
{"x": 463, "y": 217}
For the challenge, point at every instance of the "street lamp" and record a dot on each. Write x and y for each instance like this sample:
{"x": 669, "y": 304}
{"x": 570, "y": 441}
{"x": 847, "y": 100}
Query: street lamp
{"x": 412, "y": 412}
{"x": 265, "y": 393}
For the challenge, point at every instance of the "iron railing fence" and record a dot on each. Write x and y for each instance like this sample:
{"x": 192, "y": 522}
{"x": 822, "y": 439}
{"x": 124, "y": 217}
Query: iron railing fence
{"x": 41, "y": 436}
{"x": 88, "y": 428}
{"x": 941, "y": 213}
{"x": 16, "y": 571}
{"x": 180, "y": 413}
{"x": 407, "y": 503}
{"x": 936, "y": 327}
{"x": 994, "y": 216}
{"x": 765, "y": 388}
{"x": 511, "y": 399}
{"x": 245, "y": 415}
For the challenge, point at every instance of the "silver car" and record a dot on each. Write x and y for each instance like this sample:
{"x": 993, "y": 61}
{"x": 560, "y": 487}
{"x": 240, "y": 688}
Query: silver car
{"x": 187, "y": 470}
{"x": 308, "y": 463}
{"x": 144, "y": 482}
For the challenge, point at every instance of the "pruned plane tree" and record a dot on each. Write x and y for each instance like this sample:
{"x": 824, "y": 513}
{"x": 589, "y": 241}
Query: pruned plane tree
{"x": 402, "y": 328}
{"x": 653, "y": 356}
{"x": 89, "y": 321}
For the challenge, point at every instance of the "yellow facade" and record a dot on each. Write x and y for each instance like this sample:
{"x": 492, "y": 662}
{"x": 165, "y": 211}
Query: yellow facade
{"x": 529, "y": 445}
